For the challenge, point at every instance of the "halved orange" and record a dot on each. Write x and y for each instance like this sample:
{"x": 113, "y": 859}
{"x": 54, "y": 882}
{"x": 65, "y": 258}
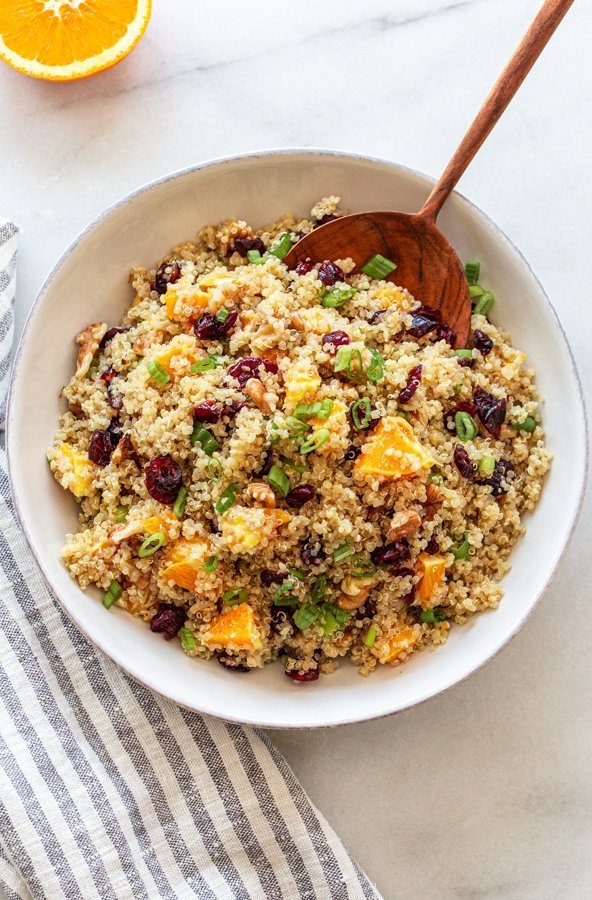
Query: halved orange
{"x": 60, "y": 40}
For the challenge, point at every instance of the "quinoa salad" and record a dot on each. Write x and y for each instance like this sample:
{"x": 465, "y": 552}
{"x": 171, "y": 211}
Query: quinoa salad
{"x": 295, "y": 465}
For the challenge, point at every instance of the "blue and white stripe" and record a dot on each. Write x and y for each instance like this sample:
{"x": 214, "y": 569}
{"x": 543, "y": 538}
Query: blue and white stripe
{"x": 109, "y": 791}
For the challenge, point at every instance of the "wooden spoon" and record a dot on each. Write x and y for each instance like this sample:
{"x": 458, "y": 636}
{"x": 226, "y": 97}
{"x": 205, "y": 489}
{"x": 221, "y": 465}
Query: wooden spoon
{"x": 427, "y": 264}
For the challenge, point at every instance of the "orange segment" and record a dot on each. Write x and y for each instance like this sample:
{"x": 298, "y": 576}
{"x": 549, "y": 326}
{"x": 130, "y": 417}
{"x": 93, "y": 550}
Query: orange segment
{"x": 393, "y": 451}
{"x": 431, "y": 568}
{"x": 237, "y": 627}
{"x": 198, "y": 301}
{"x": 401, "y": 641}
{"x": 61, "y": 40}
{"x": 184, "y": 563}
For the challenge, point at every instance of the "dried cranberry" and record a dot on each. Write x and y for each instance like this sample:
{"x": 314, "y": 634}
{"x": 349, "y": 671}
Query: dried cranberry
{"x": 352, "y": 453}
{"x": 110, "y": 333}
{"x": 249, "y": 366}
{"x": 230, "y": 662}
{"x": 312, "y": 553}
{"x": 503, "y": 471}
{"x": 243, "y": 245}
{"x": 206, "y": 327}
{"x": 207, "y": 411}
{"x": 335, "y": 339}
{"x": 410, "y": 595}
{"x": 108, "y": 375}
{"x": 432, "y": 546}
{"x": 266, "y": 465}
{"x": 464, "y": 406}
{"x": 443, "y": 333}
{"x": 391, "y": 554}
{"x": 413, "y": 382}
{"x": 463, "y": 462}
{"x": 278, "y": 618}
{"x": 166, "y": 274}
{"x": 115, "y": 432}
{"x": 482, "y": 342}
{"x": 300, "y": 495}
{"x": 101, "y": 447}
{"x": 232, "y": 409}
{"x": 330, "y": 217}
{"x": 168, "y": 620}
{"x": 377, "y": 317}
{"x": 268, "y": 577}
{"x": 114, "y": 398}
{"x": 491, "y": 410}
{"x": 466, "y": 362}
{"x": 309, "y": 675}
{"x": 225, "y": 327}
{"x": 163, "y": 479}
{"x": 304, "y": 266}
{"x": 425, "y": 319}
{"x": 367, "y": 611}
{"x": 329, "y": 273}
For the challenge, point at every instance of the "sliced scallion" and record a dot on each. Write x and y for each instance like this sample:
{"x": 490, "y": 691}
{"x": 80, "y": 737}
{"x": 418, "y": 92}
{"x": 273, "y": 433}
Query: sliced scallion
{"x": 464, "y": 354}
{"x": 187, "y": 640}
{"x": 274, "y": 438}
{"x": 472, "y": 271}
{"x": 235, "y": 596}
{"x": 296, "y": 573}
{"x": 158, "y": 372}
{"x": 151, "y": 544}
{"x": 205, "y": 439}
{"x": 361, "y": 412}
{"x": 307, "y": 410}
{"x": 462, "y": 549}
{"x": 486, "y": 466}
{"x": 112, "y": 593}
{"x": 375, "y": 371}
{"x": 342, "y": 358}
{"x": 282, "y": 245}
{"x": 306, "y": 615}
{"x": 227, "y": 498}
{"x": 325, "y": 409}
{"x": 211, "y": 564}
{"x": 370, "y": 636}
{"x": 528, "y": 425}
{"x": 223, "y": 314}
{"x": 484, "y": 304}
{"x": 286, "y": 600}
{"x": 297, "y": 466}
{"x": 279, "y": 481}
{"x": 363, "y": 568}
{"x": 475, "y": 290}
{"x": 296, "y": 427}
{"x": 378, "y": 267}
{"x": 180, "y": 502}
{"x": 253, "y": 256}
{"x": 466, "y": 427}
{"x": 121, "y": 514}
{"x": 204, "y": 365}
{"x": 431, "y": 616}
{"x": 355, "y": 366}
{"x": 337, "y": 297}
{"x": 315, "y": 440}
{"x": 319, "y": 587}
{"x": 343, "y": 552}
{"x": 215, "y": 469}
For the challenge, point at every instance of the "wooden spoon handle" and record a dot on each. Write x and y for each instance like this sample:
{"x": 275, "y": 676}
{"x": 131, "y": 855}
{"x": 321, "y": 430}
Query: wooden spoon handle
{"x": 526, "y": 54}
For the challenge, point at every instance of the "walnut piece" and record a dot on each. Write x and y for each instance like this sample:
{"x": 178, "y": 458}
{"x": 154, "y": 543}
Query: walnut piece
{"x": 355, "y": 591}
{"x": 261, "y": 493}
{"x": 88, "y": 341}
{"x": 403, "y": 524}
{"x": 264, "y": 400}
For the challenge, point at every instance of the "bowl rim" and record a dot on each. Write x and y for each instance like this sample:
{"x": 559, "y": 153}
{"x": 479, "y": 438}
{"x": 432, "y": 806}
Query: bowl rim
{"x": 11, "y": 451}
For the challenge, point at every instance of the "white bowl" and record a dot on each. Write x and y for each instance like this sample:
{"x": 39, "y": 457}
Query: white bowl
{"x": 89, "y": 284}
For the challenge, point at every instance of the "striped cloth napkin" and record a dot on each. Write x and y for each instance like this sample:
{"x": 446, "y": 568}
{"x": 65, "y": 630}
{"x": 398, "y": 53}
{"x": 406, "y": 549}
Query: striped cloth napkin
{"x": 110, "y": 791}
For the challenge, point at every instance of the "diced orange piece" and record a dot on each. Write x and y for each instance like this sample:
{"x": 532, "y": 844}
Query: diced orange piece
{"x": 392, "y": 296}
{"x": 165, "y": 358}
{"x": 237, "y": 627}
{"x": 393, "y": 451}
{"x": 165, "y": 523}
{"x": 198, "y": 301}
{"x": 185, "y": 563}
{"x": 400, "y": 641}
{"x": 431, "y": 567}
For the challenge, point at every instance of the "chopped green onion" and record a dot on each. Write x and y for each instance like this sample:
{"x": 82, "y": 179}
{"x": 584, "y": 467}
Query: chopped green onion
{"x": 296, "y": 573}
{"x": 234, "y": 597}
{"x": 370, "y": 636}
{"x": 457, "y": 390}
{"x": 484, "y": 304}
{"x": 355, "y": 372}
{"x": 431, "y": 616}
{"x": 205, "y": 439}
{"x": 325, "y": 409}
{"x": 227, "y": 498}
{"x": 364, "y": 421}
{"x": 187, "y": 640}
{"x": 286, "y": 585}
{"x": 462, "y": 549}
{"x": 375, "y": 371}
{"x": 315, "y": 440}
{"x": 319, "y": 587}
{"x": 285, "y": 600}
{"x": 487, "y": 466}
{"x": 363, "y": 568}
{"x": 307, "y": 410}
{"x": 336, "y": 298}
{"x": 528, "y": 425}
{"x": 180, "y": 502}
{"x": 274, "y": 438}
{"x": 472, "y": 271}
{"x": 464, "y": 354}
{"x": 306, "y": 616}
{"x": 330, "y": 623}
{"x": 215, "y": 469}
{"x": 378, "y": 267}
{"x": 211, "y": 564}
{"x": 151, "y": 544}
{"x": 290, "y": 464}
{"x": 475, "y": 290}
{"x": 279, "y": 481}
{"x": 466, "y": 427}
{"x": 204, "y": 365}
{"x": 342, "y": 358}
{"x": 222, "y": 314}
{"x": 343, "y": 552}
{"x": 113, "y": 592}
{"x": 296, "y": 427}
{"x": 282, "y": 245}
{"x": 253, "y": 256}
{"x": 158, "y": 372}
{"x": 121, "y": 514}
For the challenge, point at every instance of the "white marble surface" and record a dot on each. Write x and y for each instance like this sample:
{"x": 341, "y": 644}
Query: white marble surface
{"x": 484, "y": 792}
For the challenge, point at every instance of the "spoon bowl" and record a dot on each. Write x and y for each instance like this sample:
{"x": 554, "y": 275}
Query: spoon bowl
{"x": 427, "y": 265}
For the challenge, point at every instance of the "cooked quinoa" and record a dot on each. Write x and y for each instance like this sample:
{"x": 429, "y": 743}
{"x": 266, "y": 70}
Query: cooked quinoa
{"x": 295, "y": 465}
